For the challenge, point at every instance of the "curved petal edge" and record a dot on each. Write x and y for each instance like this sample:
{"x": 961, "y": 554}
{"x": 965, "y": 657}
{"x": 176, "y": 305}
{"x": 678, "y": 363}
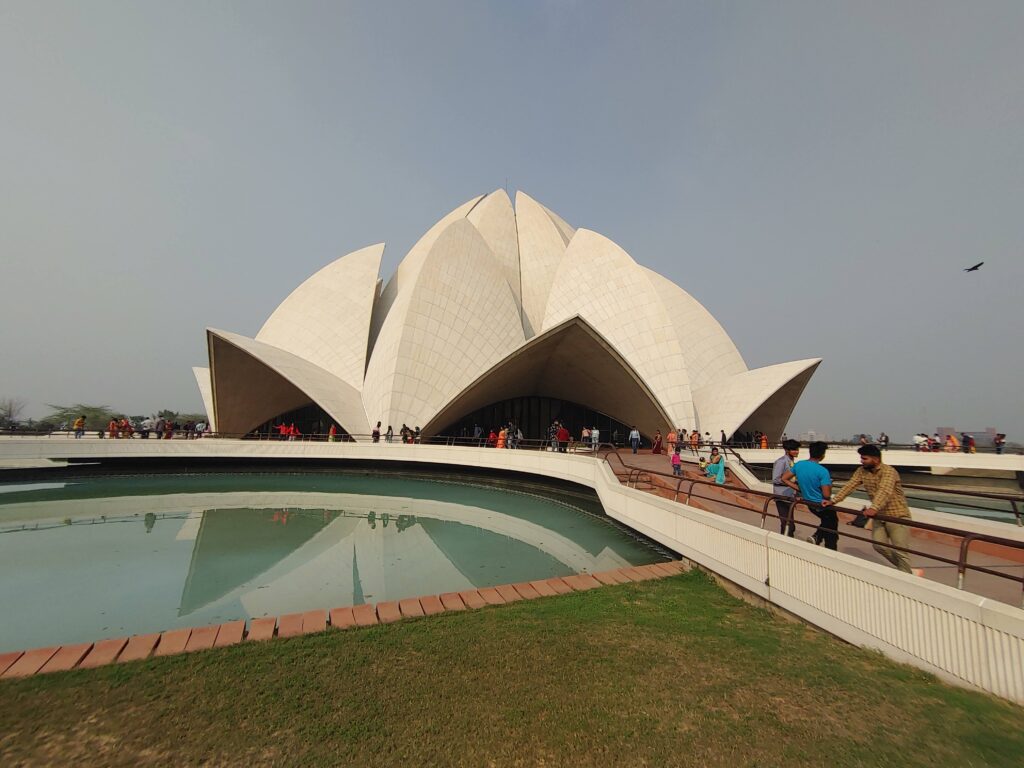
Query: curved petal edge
{"x": 761, "y": 399}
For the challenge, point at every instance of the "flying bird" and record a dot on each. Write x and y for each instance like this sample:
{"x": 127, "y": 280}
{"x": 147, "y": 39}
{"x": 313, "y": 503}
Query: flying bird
{"x": 975, "y": 268}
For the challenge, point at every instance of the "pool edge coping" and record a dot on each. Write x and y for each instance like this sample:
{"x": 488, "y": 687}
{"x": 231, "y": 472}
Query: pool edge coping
{"x": 64, "y": 658}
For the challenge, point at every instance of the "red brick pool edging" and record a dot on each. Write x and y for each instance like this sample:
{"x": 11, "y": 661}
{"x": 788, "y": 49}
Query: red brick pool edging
{"x": 186, "y": 640}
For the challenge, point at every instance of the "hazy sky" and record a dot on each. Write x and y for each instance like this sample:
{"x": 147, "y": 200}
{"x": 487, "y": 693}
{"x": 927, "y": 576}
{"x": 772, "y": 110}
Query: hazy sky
{"x": 817, "y": 174}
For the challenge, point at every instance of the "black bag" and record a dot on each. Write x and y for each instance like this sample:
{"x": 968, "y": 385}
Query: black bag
{"x": 860, "y": 521}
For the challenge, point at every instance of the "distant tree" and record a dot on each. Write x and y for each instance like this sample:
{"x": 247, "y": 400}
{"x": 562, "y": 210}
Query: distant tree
{"x": 10, "y": 410}
{"x": 96, "y": 416}
{"x": 167, "y": 414}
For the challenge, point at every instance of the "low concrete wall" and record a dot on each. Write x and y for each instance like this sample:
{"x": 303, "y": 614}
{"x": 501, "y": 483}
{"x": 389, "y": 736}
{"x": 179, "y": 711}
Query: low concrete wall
{"x": 959, "y": 636}
{"x": 938, "y": 463}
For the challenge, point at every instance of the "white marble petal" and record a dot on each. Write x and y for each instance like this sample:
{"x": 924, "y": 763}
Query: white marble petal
{"x": 496, "y": 221}
{"x": 460, "y": 318}
{"x": 541, "y": 247}
{"x": 326, "y": 320}
{"x": 408, "y": 269}
{"x": 564, "y": 229}
{"x": 335, "y": 396}
{"x": 598, "y": 281}
{"x": 727, "y": 403}
{"x": 480, "y": 283}
{"x": 707, "y": 349}
{"x": 206, "y": 391}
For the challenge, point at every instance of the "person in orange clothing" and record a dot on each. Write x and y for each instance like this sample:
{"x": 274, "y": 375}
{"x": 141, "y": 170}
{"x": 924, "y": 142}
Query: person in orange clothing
{"x": 502, "y": 437}
{"x": 670, "y": 440}
{"x": 112, "y": 429}
{"x": 764, "y": 442}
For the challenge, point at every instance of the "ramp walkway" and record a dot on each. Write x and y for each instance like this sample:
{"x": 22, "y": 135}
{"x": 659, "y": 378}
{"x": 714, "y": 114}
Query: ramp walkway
{"x": 985, "y": 566}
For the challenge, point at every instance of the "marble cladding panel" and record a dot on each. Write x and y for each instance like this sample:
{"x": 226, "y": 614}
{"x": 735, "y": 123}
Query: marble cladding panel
{"x": 206, "y": 391}
{"x": 404, "y": 279}
{"x": 461, "y": 288}
{"x": 564, "y": 229}
{"x": 598, "y": 281}
{"x": 726, "y": 403}
{"x": 541, "y": 248}
{"x": 496, "y": 222}
{"x": 339, "y": 399}
{"x": 326, "y": 320}
{"x": 709, "y": 352}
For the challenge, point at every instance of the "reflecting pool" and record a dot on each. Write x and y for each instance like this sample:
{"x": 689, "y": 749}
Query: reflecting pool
{"x": 113, "y": 556}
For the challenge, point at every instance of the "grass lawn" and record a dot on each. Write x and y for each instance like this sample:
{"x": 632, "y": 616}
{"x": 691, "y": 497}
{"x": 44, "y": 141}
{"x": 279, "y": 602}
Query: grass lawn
{"x": 670, "y": 672}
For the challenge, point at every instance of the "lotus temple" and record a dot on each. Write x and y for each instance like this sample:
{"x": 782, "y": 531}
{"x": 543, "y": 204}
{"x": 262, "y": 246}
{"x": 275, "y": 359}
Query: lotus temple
{"x": 497, "y": 314}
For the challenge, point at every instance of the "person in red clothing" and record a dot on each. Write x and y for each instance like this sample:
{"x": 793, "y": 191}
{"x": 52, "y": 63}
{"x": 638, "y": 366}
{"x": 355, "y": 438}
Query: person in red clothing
{"x": 112, "y": 429}
{"x": 562, "y": 435}
{"x": 492, "y": 439}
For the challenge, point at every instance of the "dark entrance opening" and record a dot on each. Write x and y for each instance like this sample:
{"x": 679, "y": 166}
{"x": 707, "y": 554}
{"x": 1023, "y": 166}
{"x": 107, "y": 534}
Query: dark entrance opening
{"x": 311, "y": 420}
{"x": 534, "y": 415}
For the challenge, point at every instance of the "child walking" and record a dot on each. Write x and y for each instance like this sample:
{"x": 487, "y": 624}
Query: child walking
{"x": 677, "y": 463}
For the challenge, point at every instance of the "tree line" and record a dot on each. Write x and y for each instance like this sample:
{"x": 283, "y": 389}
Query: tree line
{"x": 96, "y": 416}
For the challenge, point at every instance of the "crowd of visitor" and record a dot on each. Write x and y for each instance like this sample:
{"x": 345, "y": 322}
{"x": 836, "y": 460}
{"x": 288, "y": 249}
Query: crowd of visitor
{"x": 165, "y": 429}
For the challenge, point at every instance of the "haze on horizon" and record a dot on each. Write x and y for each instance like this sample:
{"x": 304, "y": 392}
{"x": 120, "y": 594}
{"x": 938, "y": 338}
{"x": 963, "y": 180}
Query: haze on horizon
{"x": 818, "y": 175}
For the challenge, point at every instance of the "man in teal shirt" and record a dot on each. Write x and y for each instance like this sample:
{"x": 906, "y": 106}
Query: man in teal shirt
{"x": 814, "y": 485}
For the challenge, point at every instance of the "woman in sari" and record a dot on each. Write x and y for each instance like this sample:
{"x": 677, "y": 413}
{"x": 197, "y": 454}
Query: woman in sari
{"x": 502, "y": 437}
{"x": 716, "y": 467}
{"x": 656, "y": 448}
{"x": 112, "y": 429}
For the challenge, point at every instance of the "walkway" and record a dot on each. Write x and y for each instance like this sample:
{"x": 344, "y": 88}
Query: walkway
{"x": 734, "y": 504}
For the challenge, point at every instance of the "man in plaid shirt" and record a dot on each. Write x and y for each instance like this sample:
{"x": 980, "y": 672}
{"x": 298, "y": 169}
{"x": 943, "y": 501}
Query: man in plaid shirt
{"x": 882, "y": 484}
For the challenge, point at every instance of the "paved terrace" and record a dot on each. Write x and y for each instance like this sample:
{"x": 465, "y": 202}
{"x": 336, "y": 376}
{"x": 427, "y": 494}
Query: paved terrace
{"x": 735, "y": 505}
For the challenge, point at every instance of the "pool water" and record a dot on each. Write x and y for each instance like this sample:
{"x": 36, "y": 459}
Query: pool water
{"x": 114, "y": 556}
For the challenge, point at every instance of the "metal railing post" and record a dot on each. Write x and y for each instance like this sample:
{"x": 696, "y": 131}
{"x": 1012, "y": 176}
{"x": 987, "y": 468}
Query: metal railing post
{"x": 961, "y": 566}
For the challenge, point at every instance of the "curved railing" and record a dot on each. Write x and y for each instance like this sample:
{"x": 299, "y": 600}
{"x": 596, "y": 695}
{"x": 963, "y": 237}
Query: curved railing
{"x": 765, "y": 499}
